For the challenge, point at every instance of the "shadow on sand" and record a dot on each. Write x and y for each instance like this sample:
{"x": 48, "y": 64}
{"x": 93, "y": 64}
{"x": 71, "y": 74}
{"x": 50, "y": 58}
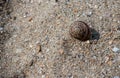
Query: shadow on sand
{"x": 94, "y": 34}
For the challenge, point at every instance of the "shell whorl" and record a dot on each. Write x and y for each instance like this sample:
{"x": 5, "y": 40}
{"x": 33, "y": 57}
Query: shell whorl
{"x": 80, "y": 30}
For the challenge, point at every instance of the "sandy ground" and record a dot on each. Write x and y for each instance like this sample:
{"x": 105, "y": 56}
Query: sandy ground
{"x": 38, "y": 44}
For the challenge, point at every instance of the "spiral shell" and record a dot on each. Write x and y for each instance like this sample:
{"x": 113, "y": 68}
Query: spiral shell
{"x": 80, "y": 30}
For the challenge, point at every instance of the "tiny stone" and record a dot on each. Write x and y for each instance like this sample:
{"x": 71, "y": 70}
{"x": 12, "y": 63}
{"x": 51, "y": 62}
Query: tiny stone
{"x": 31, "y": 45}
{"x": 115, "y": 49}
{"x": 96, "y": 6}
{"x": 118, "y": 21}
{"x": 100, "y": 17}
{"x": 30, "y": 19}
{"x": 61, "y": 51}
{"x": 1, "y": 28}
{"x": 88, "y": 41}
{"x": 118, "y": 28}
{"x": 43, "y": 76}
{"x": 110, "y": 42}
{"x": 26, "y": 14}
{"x": 38, "y": 47}
{"x": 89, "y": 13}
{"x": 116, "y": 77}
{"x": 106, "y": 59}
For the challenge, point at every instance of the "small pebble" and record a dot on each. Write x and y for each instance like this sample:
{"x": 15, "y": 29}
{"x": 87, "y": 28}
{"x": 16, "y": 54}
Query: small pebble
{"x": 31, "y": 45}
{"x": 110, "y": 42}
{"x": 116, "y": 77}
{"x": 61, "y": 51}
{"x": 26, "y": 14}
{"x": 118, "y": 28}
{"x": 115, "y": 49}
{"x": 1, "y": 28}
{"x": 96, "y": 6}
{"x": 106, "y": 59}
{"x": 100, "y": 17}
{"x": 118, "y": 21}
{"x": 30, "y": 19}
{"x": 43, "y": 76}
{"x": 88, "y": 42}
{"x": 89, "y": 13}
{"x": 38, "y": 47}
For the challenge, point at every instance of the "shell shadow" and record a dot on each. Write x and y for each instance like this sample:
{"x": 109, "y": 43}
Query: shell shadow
{"x": 95, "y": 35}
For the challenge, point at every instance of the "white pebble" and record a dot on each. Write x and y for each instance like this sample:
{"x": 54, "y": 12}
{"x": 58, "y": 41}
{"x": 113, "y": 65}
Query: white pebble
{"x": 96, "y": 6}
{"x": 89, "y": 12}
{"x": 1, "y": 28}
{"x": 115, "y": 49}
{"x": 100, "y": 17}
{"x": 118, "y": 21}
{"x": 116, "y": 77}
{"x": 43, "y": 76}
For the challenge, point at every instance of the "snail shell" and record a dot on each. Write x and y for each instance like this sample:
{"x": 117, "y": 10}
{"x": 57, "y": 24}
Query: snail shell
{"x": 80, "y": 30}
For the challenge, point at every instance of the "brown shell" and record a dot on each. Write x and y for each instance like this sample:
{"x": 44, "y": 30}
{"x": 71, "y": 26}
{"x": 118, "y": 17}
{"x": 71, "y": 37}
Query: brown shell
{"x": 80, "y": 30}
